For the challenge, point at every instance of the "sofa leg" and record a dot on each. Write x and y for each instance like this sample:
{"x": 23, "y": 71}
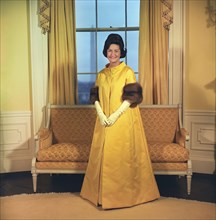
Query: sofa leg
{"x": 34, "y": 178}
{"x": 189, "y": 177}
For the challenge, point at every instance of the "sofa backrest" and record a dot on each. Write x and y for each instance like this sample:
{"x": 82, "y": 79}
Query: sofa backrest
{"x": 72, "y": 123}
{"x": 160, "y": 122}
{"x": 76, "y": 123}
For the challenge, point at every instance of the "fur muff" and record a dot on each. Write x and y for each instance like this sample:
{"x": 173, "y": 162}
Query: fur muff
{"x": 94, "y": 96}
{"x": 133, "y": 93}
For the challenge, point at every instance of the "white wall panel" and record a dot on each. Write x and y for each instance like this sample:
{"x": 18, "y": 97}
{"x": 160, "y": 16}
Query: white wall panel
{"x": 16, "y": 142}
{"x": 201, "y": 125}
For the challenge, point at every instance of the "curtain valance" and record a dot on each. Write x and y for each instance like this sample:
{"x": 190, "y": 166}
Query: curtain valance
{"x": 44, "y": 15}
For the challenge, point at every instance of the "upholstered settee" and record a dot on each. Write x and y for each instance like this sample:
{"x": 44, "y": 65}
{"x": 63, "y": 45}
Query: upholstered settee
{"x": 64, "y": 145}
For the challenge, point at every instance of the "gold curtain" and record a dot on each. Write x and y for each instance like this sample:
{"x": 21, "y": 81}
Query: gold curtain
{"x": 62, "y": 53}
{"x": 58, "y": 19}
{"x": 155, "y": 19}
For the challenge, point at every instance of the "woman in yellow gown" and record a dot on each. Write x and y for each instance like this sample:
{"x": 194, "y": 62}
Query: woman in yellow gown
{"x": 119, "y": 172}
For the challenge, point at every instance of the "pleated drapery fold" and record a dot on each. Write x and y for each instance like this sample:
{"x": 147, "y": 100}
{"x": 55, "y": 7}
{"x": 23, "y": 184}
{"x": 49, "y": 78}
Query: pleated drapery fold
{"x": 155, "y": 19}
{"x": 61, "y": 50}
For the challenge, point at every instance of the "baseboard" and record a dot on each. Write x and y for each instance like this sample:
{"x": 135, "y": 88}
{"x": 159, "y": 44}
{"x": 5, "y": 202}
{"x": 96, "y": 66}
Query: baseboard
{"x": 201, "y": 165}
{"x": 15, "y": 165}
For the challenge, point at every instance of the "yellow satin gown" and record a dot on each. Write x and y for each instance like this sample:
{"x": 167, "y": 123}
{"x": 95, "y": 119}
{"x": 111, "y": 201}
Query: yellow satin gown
{"x": 119, "y": 172}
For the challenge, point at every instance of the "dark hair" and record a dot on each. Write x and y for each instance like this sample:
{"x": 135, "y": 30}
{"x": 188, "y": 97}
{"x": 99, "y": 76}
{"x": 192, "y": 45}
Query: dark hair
{"x": 114, "y": 39}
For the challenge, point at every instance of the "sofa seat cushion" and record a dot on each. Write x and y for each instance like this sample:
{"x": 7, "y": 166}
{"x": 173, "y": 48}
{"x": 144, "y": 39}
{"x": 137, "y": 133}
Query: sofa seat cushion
{"x": 76, "y": 152}
{"x": 168, "y": 152}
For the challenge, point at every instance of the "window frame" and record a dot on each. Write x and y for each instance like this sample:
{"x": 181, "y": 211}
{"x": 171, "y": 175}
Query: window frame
{"x": 110, "y": 29}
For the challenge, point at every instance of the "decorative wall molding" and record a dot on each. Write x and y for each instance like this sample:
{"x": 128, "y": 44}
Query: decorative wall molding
{"x": 204, "y": 136}
{"x": 16, "y": 142}
{"x": 201, "y": 125}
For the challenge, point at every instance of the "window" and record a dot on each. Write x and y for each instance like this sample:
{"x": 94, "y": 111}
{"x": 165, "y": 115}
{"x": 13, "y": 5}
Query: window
{"x": 95, "y": 20}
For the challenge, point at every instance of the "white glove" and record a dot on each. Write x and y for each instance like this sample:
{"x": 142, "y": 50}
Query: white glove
{"x": 114, "y": 116}
{"x": 101, "y": 115}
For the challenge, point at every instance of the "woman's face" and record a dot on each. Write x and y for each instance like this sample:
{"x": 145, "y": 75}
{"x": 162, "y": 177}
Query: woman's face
{"x": 113, "y": 54}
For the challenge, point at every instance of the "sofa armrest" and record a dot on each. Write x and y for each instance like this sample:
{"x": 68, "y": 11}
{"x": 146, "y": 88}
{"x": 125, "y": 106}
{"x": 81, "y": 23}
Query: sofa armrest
{"x": 44, "y": 137}
{"x": 182, "y": 136}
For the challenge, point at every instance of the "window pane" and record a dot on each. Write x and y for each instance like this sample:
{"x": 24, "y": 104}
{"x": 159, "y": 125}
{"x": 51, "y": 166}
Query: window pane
{"x": 133, "y": 11}
{"x": 111, "y": 13}
{"x": 132, "y": 49}
{"x": 85, "y": 82}
{"x": 102, "y": 36}
{"x": 86, "y": 49}
{"x": 85, "y": 14}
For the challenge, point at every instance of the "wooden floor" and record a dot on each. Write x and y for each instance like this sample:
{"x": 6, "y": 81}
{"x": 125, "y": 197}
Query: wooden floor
{"x": 203, "y": 185}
